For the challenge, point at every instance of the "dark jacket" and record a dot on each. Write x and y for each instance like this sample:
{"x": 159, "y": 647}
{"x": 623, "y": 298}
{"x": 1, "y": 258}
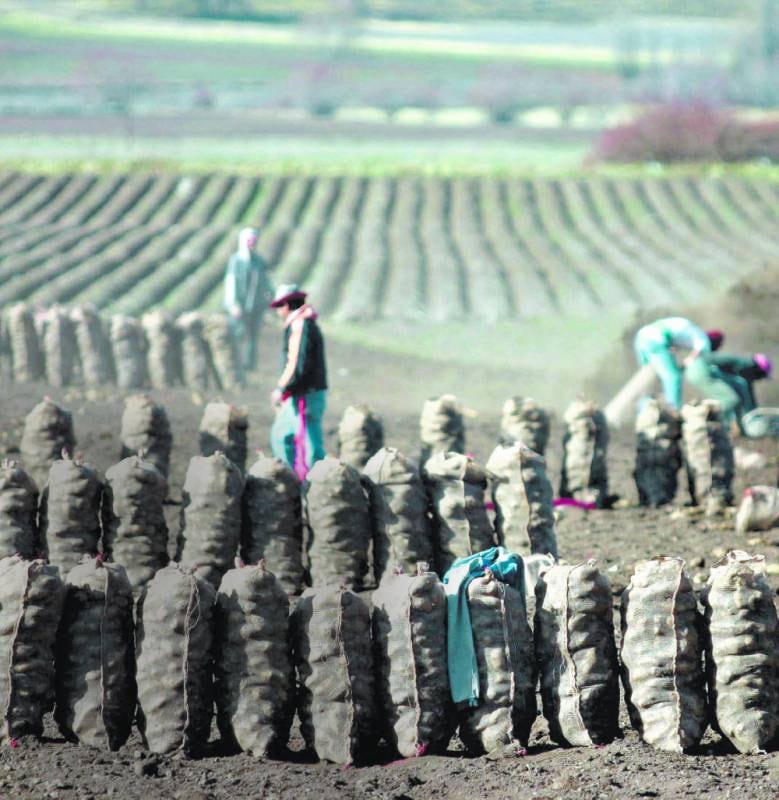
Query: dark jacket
{"x": 303, "y": 361}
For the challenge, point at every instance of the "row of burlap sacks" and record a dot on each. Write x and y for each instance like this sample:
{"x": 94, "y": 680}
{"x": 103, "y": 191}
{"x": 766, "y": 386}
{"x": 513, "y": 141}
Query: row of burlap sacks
{"x": 390, "y": 515}
{"x": 357, "y": 669}
{"x": 339, "y": 526}
{"x": 79, "y": 346}
{"x": 144, "y": 427}
{"x": 442, "y": 430}
{"x": 695, "y": 437}
{"x": 354, "y": 523}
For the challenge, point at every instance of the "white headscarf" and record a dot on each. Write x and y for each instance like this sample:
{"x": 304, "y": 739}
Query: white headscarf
{"x": 245, "y": 237}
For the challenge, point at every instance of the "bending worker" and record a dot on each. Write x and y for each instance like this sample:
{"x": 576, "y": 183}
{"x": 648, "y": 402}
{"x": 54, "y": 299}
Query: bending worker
{"x": 729, "y": 380}
{"x": 247, "y": 292}
{"x": 656, "y": 344}
{"x": 301, "y": 394}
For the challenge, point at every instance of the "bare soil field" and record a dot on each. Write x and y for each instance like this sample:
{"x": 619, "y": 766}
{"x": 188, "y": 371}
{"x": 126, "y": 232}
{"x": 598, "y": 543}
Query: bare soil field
{"x": 53, "y": 768}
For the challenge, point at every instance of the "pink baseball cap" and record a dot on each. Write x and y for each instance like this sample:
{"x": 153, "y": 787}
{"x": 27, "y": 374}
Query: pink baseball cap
{"x": 764, "y": 362}
{"x": 716, "y": 337}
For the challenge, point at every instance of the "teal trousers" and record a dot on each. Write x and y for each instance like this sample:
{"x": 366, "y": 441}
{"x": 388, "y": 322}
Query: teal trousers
{"x": 287, "y": 426}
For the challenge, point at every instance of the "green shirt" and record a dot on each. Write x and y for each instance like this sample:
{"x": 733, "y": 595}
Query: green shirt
{"x": 247, "y": 284}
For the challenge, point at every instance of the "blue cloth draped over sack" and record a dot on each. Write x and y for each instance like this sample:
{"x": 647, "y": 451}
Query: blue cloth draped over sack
{"x": 507, "y": 568}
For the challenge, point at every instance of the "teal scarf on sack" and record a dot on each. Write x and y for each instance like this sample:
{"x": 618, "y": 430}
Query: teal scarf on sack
{"x": 461, "y": 653}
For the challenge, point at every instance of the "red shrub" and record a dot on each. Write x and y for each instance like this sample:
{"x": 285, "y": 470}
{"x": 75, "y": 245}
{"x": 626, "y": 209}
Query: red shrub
{"x": 688, "y": 132}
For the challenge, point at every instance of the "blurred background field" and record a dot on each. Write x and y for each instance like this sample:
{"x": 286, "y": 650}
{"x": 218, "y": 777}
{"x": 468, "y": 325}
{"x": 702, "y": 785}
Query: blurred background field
{"x": 509, "y": 184}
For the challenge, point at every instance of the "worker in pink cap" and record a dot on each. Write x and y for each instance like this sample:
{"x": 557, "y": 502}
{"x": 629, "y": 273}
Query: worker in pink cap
{"x": 729, "y": 379}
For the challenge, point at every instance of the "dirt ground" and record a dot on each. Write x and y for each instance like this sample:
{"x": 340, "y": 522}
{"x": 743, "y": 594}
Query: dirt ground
{"x": 626, "y": 768}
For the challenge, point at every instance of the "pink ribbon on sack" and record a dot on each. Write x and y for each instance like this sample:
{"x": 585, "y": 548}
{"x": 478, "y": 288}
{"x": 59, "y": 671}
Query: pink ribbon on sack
{"x": 301, "y": 467}
{"x": 572, "y": 502}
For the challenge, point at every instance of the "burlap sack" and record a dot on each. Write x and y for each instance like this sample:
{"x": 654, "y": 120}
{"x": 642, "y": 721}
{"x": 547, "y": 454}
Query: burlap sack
{"x": 339, "y": 522}
{"x": 31, "y": 598}
{"x": 585, "y": 443}
{"x": 523, "y": 497}
{"x": 272, "y": 521}
{"x": 224, "y": 428}
{"x": 534, "y": 565}
{"x": 661, "y": 649}
{"x": 658, "y": 454}
{"x": 135, "y": 533}
{"x": 26, "y": 353}
{"x": 441, "y": 427}
{"x": 456, "y": 487}
{"x": 577, "y": 655}
{"x": 402, "y": 532}
{"x": 210, "y": 517}
{"x": 409, "y": 633}
{"x": 128, "y": 345}
{"x": 759, "y": 509}
{"x": 360, "y": 435}
{"x": 173, "y": 645}
{"x": 253, "y": 679}
{"x": 224, "y": 352}
{"x": 18, "y": 511}
{"x": 94, "y": 346}
{"x": 95, "y": 667}
{"x": 48, "y": 432}
{"x": 708, "y": 454}
{"x": 523, "y": 420}
{"x": 59, "y": 347}
{"x": 163, "y": 358}
{"x": 742, "y": 657}
{"x": 145, "y": 427}
{"x": 507, "y": 679}
{"x": 332, "y": 653}
{"x": 70, "y": 513}
{"x": 6, "y": 359}
{"x": 195, "y": 353}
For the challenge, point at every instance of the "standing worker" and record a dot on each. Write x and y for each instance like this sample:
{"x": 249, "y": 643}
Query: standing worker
{"x": 248, "y": 291}
{"x": 301, "y": 393}
{"x": 656, "y": 344}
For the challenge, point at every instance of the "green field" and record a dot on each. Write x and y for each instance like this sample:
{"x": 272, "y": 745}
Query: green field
{"x": 273, "y": 154}
{"x": 61, "y": 59}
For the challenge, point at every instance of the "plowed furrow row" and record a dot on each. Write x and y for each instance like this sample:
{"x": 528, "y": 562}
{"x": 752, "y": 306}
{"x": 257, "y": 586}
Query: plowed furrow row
{"x": 568, "y": 254}
{"x": 206, "y": 273}
{"x": 301, "y": 253}
{"x": 683, "y": 270}
{"x": 53, "y": 269}
{"x": 361, "y": 295}
{"x": 113, "y": 257}
{"x": 93, "y": 201}
{"x": 486, "y": 292}
{"x": 28, "y": 206}
{"x": 744, "y": 233}
{"x": 120, "y": 206}
{"x": 447, "y": 298}
{"x": 607, "y": 273}
{"x": 655, "y": 276}
{"x": 745, "y": 204}
{"x": 406, "y": 284}
{"x": 173, "y": 270}
{"x": 676, "y": 233}
{"x": 336, "y": 250}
